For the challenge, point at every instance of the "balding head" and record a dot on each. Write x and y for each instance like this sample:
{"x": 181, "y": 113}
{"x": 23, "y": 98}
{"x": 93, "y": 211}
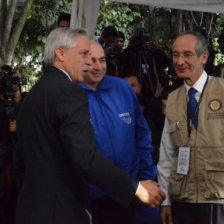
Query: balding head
{"x": 95, "y": 44}
{"x": 188, "y": 61}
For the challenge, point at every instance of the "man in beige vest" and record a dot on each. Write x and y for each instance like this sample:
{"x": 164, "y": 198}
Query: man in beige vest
{"x": 191, "y": 164}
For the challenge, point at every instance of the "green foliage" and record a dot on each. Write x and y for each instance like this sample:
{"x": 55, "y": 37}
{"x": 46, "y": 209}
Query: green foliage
{"x": 219, "y": 56}
{"x": 125, "y": 17}
{"x": 159, "y": 22}
{"x": 163, "y": 24}
{"x": 29, "y": 52}
{"x": 120, "y": 15}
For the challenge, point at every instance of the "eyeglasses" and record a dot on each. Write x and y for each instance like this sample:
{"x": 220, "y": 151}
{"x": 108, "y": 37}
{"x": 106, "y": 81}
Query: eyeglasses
{"x": 185, "y": 55}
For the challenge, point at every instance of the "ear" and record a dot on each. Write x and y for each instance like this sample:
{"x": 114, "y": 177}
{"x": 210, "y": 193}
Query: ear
{"x": 60, "y": 54}
{"x": 204, "y": 57}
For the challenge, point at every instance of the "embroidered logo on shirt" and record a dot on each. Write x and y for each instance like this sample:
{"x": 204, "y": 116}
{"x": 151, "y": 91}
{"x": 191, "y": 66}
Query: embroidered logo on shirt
{"x": 215, "y": 105}
{"x": 126, "y": 117}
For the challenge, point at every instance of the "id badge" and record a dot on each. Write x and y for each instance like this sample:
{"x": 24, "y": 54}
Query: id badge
{"x": 183, "y": 160}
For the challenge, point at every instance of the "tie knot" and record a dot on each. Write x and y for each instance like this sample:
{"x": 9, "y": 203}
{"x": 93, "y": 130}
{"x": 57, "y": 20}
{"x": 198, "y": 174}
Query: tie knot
{"x": 191, "y": 92}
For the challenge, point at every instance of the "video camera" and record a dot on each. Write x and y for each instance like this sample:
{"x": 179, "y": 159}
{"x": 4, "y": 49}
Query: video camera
{"x": 7, "y": 83}
{"x": 113, "y": 58}
{"x": 145, "y": 39}
{"x": 203, "y": 31}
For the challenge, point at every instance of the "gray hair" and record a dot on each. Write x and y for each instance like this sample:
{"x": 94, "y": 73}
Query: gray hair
{"x": 60, "y": 37}
{"x": 202, "y": 44}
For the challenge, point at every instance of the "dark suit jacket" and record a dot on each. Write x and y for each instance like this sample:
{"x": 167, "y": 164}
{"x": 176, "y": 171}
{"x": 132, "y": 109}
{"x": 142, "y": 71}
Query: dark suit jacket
{"x": 57, "y": 150}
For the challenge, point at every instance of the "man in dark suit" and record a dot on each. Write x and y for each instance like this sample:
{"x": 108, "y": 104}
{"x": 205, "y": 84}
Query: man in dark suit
{"x": 57, "y": 146}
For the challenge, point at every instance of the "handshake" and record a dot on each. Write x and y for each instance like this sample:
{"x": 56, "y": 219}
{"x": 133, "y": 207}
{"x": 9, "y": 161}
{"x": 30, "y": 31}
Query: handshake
{"x": 149, "y": 193}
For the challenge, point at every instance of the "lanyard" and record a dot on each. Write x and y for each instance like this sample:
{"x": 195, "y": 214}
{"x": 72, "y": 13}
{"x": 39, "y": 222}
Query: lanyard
{"x": 189, "y": 126}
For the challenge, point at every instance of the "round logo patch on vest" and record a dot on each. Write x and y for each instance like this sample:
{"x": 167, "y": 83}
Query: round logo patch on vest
{"x": 215, "y": 105}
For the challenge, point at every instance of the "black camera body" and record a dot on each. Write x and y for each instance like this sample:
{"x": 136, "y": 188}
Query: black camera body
{"x": 140, "y": 32}
{"x": 7, "y": 83}
{"x": 113, "y": 58}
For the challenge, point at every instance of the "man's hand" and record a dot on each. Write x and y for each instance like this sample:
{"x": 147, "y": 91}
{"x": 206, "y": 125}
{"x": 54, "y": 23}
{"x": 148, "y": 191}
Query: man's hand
{"x": 166, "y": 215}
{"x": 150, "y": 193}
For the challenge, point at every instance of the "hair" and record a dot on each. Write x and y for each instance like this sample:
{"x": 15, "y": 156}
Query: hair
{"x": 202, "y": 43}
{"x": 60, "y": 37}
{"x": 132, "y": 75}
{"x": 64, "y": 17}
{"x": 121, "y": 35}
{"x": 109, "y": 31}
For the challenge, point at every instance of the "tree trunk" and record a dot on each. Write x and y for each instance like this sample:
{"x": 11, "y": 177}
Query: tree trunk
{"x": 7, "y": 27}
{"x": 16, "y": 33}
{"x": 3, "y": 11}
{"x": 179, "y": 22}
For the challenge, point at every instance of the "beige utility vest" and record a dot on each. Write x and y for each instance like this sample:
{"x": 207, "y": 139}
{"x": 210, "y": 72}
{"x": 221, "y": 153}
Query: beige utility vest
{"x": 205, "y": 180}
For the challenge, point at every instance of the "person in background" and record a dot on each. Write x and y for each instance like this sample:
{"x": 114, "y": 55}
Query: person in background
{"x": 64, "y": 20}
{"x": 109, "y": 44}
{"x": 155, "y": 120}
{"x": 145, "y": 214}
{"x": 10, "y": 99}
{"x": 135, "y": 84}
{"x": 120, "y": 41}
{"x": 190, "y": 168}
{"x": 143, "y": 59}
{"x": 56, "y": 144}
{"x": 108, "y": 37}
{"x": 121, "y": 132}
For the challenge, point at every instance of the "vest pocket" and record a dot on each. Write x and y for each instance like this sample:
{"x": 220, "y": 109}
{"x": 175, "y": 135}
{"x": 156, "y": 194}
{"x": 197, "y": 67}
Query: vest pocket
{"x": 214, "y": 178}
{"x": 176, "y": 183}
{"x": 178, "y": 132}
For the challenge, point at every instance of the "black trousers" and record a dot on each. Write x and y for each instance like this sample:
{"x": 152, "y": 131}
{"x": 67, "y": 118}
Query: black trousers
{"x": 189, "y": 213}
{"x": 106, "y": 211}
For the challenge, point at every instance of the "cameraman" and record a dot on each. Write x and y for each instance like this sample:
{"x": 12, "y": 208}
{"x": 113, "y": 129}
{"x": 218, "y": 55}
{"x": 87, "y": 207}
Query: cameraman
{"x": 111, "y": 43}
{"x": 145, "y": 60}
{"x": 10, "y": 98}
{"x": 5, "y": 153}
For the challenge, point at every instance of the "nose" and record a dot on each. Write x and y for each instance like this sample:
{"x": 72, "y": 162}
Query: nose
{"x": 179, "y": 60}
{"x": 88, "y": 60}
{"x": 96, "y": 65}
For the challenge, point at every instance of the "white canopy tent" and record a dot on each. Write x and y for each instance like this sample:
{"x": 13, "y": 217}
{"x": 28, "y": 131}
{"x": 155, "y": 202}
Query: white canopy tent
{"x": 85, "y": 12}
{"x": 213, "y": 6}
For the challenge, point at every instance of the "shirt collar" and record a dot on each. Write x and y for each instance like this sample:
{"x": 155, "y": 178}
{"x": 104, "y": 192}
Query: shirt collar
{"x": 65, "y": 73}
{"x": 104, "y": 84}
{"x": 199, "y": 85}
